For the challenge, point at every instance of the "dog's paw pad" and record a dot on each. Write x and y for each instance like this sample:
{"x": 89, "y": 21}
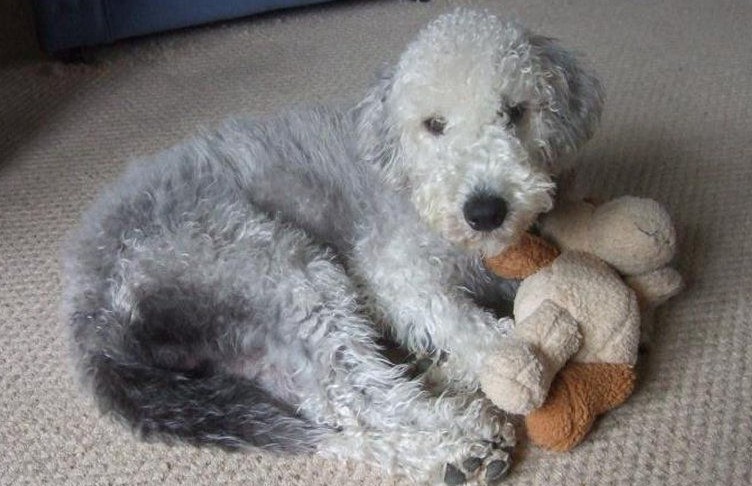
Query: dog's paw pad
{"x": 489, "y": 468}
{"x": 496, "y": 471}
{"x": 453, "y": 476}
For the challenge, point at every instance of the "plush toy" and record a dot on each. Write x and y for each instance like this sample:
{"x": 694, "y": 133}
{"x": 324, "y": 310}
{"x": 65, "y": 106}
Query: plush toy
{"x": 582, "y": 317}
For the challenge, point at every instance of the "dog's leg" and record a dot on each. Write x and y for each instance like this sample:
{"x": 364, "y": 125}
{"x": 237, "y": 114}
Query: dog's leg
{"x": 314, "y": 348}
{"x": 413, "y": 281}
{"x": 386, "y": 419}
{"x": 342, "y": 382}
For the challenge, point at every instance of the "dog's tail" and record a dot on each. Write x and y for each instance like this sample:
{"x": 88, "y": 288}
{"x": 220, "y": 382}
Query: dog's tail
{"x": 159, "y": 378}
{"x": 200, "y": 407}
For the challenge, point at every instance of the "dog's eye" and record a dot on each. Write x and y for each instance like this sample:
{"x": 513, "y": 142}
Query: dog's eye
{"x": 511, "y": 115}
{"x": 435, "y": 125}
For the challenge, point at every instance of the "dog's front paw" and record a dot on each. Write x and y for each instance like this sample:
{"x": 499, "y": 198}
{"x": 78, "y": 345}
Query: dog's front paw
{"x": 514, "y": 379}
{"x": 488, "y": 469}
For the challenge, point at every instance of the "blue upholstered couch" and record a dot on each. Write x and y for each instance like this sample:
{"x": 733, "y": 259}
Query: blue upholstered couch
{"x": 66, "y": 24}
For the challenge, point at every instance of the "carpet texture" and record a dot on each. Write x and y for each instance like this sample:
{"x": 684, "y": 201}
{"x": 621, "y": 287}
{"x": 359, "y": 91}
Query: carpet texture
{"x": 677, "y": 127}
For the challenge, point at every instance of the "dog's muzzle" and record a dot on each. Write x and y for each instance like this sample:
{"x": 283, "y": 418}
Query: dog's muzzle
{"x": 485, "y": 212}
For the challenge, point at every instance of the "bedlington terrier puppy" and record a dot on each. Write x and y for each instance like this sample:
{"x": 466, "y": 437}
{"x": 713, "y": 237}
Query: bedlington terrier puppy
{"x": 233, "y": 290}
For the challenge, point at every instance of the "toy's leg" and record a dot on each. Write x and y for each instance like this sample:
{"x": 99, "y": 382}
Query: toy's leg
{"x": 653, "y": 289}
{"x": 580, "y": 392}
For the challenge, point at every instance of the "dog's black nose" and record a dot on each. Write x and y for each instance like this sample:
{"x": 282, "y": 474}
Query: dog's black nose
{"x": 485, "y": 212}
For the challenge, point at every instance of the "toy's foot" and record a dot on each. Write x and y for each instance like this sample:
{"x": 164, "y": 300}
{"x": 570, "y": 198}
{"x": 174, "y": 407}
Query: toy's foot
{"x": 580, "y": 393}
{"x": 614, "y": 382}
{"x": 513, "y": 379}
{"x": 566, "y": 417}
{"x": 489, "y": 470}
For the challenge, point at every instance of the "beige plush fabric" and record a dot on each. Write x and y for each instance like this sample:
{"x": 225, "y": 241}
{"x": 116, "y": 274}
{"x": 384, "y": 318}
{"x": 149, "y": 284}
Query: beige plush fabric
{"x": 678, "y": 128}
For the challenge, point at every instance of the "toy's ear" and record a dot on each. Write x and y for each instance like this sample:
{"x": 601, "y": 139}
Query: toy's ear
{"x": 376, "y": 137}
{"x": 572, "y": 102}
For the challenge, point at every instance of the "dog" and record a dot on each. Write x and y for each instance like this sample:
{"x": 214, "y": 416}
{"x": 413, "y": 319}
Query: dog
{"x": 233, "y": 290}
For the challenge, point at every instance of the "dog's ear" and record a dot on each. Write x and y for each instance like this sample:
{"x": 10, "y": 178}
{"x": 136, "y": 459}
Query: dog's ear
{"x": 572, "y": 99}
{"x": 376, "y": 136}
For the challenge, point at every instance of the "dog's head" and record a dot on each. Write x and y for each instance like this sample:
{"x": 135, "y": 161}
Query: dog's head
{"x": 475, "y": 120}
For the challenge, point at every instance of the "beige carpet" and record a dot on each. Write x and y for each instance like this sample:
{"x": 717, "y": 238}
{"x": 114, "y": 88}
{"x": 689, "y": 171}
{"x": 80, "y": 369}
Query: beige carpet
{"x": 678, "y": 127}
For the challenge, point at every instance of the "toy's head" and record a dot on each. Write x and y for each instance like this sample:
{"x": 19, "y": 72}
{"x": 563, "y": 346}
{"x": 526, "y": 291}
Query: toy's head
{"x": 474, "y": 121}
{"x": 632, "y": 234}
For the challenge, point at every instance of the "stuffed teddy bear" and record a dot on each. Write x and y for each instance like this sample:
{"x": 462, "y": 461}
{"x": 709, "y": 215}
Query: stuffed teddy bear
{"x": 580, "y": 315}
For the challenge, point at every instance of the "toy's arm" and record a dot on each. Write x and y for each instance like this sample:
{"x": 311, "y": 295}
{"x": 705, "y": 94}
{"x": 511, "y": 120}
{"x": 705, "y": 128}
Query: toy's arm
{"x": 519, "y": 261}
